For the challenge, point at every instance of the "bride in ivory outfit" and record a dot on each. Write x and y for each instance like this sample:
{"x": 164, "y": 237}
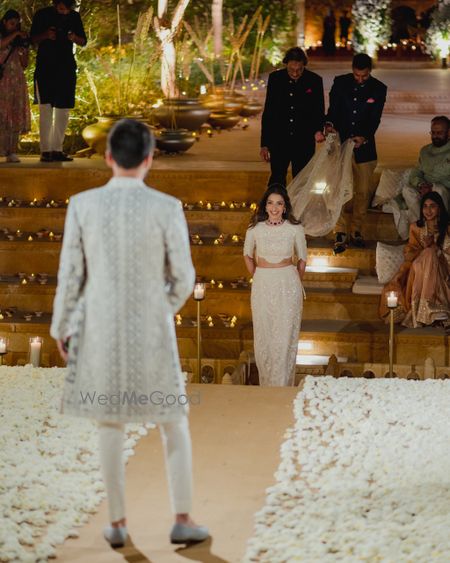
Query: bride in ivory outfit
{"x": 271, "y": 241}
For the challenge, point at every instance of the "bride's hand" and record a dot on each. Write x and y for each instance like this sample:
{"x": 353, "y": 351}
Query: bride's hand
{"x": 319, "y": 137}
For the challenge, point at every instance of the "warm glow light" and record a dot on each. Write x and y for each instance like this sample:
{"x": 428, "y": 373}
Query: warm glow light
{"x": 315, "y": 360}
{"x": 202, "y": 89}
{"x": 305, "y": 345}
{"x": 319, "y": 188}
{"x": 319, "y": 261}
{"x": 443, "y": 45}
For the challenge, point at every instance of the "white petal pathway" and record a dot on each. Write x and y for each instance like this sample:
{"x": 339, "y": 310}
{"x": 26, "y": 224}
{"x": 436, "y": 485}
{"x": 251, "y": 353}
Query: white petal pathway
{"x": 49, "y": 465}
{"x": 364, "y": 476}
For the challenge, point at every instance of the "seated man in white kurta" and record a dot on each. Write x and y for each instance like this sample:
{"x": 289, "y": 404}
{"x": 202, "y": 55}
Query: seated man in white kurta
{"x": 125, "y": 270}
{"x": 432, "y": 172}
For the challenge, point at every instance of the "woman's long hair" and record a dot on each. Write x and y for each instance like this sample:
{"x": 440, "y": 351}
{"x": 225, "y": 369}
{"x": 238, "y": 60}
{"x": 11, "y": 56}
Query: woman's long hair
{"x": 261, "y": 214}
{"x": 443, "y": 217}
{"x": 9, "y": 15}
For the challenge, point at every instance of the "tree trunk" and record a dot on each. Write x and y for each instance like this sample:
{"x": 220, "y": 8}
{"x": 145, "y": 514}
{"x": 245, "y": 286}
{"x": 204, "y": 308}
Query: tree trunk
{"x": 217, "y": 20}
{"x": 300, "y": 28}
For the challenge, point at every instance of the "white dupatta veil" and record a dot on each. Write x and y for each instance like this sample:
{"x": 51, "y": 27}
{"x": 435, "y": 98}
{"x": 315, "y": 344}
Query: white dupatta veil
{"x": 323, "y": 187}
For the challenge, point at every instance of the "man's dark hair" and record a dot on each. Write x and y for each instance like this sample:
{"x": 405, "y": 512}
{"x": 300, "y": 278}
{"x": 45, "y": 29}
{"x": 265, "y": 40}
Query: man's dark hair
{"x": 362, "y": 61}
{"x": 67, "y": 3}
{"x": 295, "y": 54}
{"x": 441, "y": 119}
{"x": 130, "y": 142}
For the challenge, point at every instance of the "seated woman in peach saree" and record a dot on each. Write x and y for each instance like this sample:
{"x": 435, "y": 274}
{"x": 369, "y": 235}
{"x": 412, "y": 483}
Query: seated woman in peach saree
{"x": 422, "y": 282}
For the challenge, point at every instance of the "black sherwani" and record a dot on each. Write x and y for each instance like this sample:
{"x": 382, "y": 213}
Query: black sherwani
{"x": 355, "y": 110}
{"x": 293, "y": 112}
{"x": 55, "y": 75}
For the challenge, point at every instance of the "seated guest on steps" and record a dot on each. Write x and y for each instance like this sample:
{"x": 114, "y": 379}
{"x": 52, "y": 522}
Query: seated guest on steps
{"x": 432, "y": 172}
{"x": 55, "y": 30}
{"x": 125, "y": 271}
{"x": 14, "y": 104}
{"x": 271, "y": 242}
{"x": 422, "y": 281}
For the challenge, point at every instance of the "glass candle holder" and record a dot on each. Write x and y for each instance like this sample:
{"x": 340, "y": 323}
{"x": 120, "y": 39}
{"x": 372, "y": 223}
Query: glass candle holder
{"x": 35, "y": 351}
{"x": 392, "y": 299}
{"x": 199, "y": 291}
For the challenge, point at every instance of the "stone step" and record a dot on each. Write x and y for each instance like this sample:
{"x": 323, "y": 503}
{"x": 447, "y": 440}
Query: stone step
{"x": 378, "y": 226}
{"x": 333, "y": 304}
{"x": 31, "y": 295}
{"x": 411, "y": 107}
{"x": 59, "y": 182}
{"x": 223, "y": 261}
{"x": 358, "y": 341}
{"x": 32, "y": 219}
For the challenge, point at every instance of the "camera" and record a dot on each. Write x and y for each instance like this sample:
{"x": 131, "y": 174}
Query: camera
{"x": 21, "y": 42}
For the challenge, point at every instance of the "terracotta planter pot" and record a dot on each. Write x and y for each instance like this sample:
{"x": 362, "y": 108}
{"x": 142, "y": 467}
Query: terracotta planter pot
{"x": 183, "y": 113}
{"x": 96, "y": 134}
{"x": 174, "y": 140}
{"x": 251, "y": 108}
{"x": 224, "y": 119}
{"x": 224, "y": 100}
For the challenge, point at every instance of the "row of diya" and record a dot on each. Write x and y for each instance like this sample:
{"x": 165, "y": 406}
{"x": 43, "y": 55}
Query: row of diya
{"x": 22, "y": 278}
{"x": 43, "y": 235}
{"x": 189, "y": 206}
{"x": 222, "y": 239}
{"x": 239, "y": 283}
{"x": 228, "y": 321}
{"x": 220, "y": 206}
{"x": 14, "y": 313}
{"x": 49, "y": 204}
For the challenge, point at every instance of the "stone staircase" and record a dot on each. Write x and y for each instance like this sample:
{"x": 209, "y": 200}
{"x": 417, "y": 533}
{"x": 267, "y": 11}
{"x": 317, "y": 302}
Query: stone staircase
{"x": 335, "y": 320}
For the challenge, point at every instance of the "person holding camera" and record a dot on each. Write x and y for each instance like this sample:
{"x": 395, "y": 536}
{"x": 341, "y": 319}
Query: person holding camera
{"x": 14, "y": 106}
{"x": 54, "y": 30}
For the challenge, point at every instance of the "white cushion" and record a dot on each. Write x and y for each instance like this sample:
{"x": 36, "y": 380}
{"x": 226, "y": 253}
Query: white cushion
{"x": 388, "y": 260}
{"x": 390, "y": 185}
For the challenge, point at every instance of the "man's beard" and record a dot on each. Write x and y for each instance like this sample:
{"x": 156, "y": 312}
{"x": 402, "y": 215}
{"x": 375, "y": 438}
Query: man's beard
{"x": 439, "y": 142}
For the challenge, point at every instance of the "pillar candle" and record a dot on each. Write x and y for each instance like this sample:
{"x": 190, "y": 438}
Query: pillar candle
{"x": 35, "y": 351}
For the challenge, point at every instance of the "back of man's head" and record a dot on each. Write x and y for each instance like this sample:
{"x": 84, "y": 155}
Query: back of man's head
{"x": 361, "y": 61}
{"x": 130, "y": 142}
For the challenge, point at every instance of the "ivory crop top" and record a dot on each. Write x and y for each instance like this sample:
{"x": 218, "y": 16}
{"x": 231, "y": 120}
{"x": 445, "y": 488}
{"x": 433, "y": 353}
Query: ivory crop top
{"x": 275, "y": 244}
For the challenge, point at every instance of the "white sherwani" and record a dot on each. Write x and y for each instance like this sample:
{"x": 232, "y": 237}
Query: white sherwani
{"x": 125, "y": 270}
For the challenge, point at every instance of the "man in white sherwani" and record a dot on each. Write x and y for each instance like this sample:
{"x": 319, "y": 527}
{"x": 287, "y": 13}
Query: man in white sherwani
{"x": 125, "y": 270}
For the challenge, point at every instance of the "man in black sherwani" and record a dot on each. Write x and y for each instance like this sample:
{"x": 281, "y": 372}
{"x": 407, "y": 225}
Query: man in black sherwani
{"x": 356, "y": 104}
{"x": 293, "y": 116}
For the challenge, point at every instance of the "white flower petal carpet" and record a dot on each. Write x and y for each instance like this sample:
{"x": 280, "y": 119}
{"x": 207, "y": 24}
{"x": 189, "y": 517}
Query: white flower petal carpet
{"x": 50, "y": 478}
{"x": 364, "y": 476}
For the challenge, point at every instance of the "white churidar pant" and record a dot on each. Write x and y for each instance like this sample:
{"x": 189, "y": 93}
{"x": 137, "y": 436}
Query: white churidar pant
{"x": 176, "y": 441}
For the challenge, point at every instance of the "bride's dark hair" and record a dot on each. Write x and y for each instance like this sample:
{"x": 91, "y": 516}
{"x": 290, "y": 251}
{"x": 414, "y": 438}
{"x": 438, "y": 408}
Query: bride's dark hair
{"x": 261, "y": 214}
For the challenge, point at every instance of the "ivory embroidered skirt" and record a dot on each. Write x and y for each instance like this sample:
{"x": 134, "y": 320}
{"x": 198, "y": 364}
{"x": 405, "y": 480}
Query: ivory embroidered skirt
{"x": 277, "y": 303}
